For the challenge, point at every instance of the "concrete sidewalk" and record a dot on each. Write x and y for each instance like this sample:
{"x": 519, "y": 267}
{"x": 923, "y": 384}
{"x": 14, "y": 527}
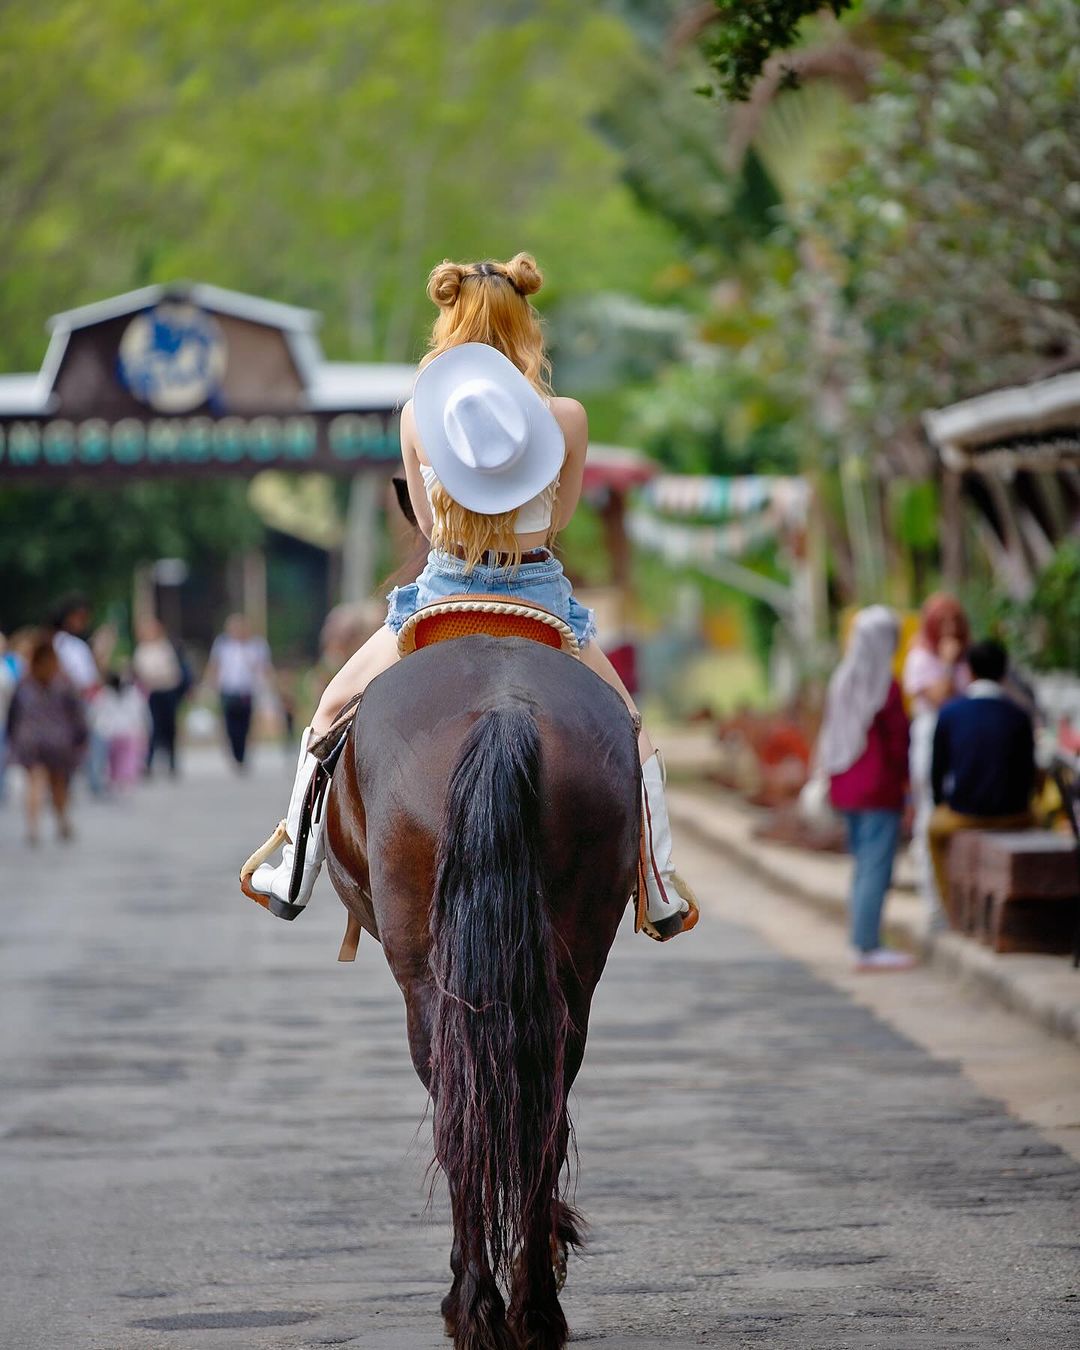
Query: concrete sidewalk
{"x": 1044, "y": 988}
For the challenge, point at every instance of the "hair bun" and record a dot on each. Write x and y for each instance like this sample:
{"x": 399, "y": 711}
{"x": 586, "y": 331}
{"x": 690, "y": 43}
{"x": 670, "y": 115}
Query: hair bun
{"x": 524, "y": 274}
{"x": 444, "y": 283}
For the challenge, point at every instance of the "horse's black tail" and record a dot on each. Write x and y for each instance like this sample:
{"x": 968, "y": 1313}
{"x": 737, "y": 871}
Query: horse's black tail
{"x": 500, "y": 1021}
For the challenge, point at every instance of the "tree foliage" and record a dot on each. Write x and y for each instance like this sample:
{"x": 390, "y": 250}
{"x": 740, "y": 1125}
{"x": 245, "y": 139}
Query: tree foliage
{"x": 951, "y": 239}
{"x": 90, "y": 539}
{"x": 326, "y": 155}
{"x": 744, "y": 34}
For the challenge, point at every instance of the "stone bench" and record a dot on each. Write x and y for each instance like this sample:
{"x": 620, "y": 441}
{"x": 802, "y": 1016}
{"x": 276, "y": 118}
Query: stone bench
{"x": 1017, "y": 892}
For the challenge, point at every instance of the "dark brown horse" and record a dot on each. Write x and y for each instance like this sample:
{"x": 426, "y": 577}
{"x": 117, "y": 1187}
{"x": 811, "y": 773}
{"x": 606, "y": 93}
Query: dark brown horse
{"x": 484, "y": 824}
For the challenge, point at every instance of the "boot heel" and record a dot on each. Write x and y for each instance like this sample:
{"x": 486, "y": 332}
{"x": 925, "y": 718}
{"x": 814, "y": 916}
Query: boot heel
{"x": 281, "y": 908}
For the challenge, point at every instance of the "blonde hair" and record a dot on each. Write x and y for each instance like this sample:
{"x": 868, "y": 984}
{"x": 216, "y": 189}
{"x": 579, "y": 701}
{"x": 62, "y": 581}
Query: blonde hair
{"x": 486, "y": 302}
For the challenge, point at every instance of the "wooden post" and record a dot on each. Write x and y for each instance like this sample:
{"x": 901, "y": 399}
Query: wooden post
{"x": 613, "y": 516}
{"x": 360, "y": 550}
{"x": 254, "y": 589}
{"x": 952, "y": 529}
{"x": 143, "y": 595}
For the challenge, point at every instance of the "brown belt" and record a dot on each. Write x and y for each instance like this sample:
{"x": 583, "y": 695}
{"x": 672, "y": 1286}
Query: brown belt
{"x": 492, "y": 559}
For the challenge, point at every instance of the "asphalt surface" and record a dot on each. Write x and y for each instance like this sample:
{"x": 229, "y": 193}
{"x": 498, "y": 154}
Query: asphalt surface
{"x": 211, "y": 1135}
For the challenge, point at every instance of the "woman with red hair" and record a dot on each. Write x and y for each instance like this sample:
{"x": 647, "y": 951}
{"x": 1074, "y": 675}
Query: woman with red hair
{"x": 934, "y": 672}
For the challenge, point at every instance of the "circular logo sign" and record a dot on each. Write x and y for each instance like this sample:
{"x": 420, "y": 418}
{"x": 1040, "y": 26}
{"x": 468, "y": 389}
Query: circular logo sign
{"x": 172, "y": 357}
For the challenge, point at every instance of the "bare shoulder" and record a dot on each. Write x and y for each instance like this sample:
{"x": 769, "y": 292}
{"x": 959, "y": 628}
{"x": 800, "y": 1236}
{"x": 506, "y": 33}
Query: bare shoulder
{"x": 573, "y": 419}
{"x": 407, "y": 427}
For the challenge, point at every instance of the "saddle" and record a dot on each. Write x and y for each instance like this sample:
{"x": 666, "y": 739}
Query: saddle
{"x": 496, "y": 615}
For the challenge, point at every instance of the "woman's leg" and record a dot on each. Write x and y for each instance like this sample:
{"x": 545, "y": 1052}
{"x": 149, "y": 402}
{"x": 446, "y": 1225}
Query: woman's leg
{"x": 273, "y": 885}
{"x": 59, "y": 783}
{"x": 170, "y": 713}
{"x": 670, "y": 906}
{"x": 874, "y": 844}
{"x": 592, "y": 656}
{"x": 37, "y": 778}
{"x": 153, "y": 743}
{"x": 377, "y": 654}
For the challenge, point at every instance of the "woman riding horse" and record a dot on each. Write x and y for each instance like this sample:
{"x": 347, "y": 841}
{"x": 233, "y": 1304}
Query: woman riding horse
{"x": 494, "y": 464}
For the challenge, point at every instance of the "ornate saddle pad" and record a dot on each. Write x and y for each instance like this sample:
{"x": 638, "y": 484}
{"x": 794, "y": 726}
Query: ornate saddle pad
{"x": 497, "y": 615}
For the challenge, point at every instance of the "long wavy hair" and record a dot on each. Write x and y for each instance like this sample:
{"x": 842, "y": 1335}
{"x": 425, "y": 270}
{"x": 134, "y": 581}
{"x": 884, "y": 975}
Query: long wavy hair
{"x": 938, "y": 611}
{"x": 486, "y": 302}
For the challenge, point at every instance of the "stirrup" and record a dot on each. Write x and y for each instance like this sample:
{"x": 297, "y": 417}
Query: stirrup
{"x": 279, "y": 837}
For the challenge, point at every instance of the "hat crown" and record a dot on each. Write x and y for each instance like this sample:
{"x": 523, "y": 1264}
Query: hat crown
{"x": 485, "y": 426}
{"x": 487, "y": 433}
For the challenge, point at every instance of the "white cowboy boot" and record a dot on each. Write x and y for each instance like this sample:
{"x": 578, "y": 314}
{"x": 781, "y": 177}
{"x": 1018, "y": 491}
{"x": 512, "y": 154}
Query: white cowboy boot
{"x": 670, "y": 906}
{"x": 269, "y": 885}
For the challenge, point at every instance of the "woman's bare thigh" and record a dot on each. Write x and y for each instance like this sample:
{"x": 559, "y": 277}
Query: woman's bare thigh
{"x": 377, "y": 654}
{"x": 593, "y": 656}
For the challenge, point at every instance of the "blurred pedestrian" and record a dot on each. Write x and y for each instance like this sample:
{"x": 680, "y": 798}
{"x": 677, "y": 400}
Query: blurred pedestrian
{"x": 121, "y": 717}
{"x": 983, "y": 770}
{"x": 71, "y": 625}
{"x": 8, "y": 681}
{"x": 934, "y": 673}
{"x": 47, "y": 735}
{"x": 239, "y": 668}
{"x": 863, "y": 750}
{"x": 161, "y": 676}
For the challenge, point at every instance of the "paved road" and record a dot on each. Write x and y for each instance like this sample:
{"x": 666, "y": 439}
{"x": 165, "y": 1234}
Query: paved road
{"x": 210, "y": 1134}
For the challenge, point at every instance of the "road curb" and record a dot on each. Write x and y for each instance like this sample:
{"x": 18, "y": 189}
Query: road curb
{"x": 1018, "y": 982}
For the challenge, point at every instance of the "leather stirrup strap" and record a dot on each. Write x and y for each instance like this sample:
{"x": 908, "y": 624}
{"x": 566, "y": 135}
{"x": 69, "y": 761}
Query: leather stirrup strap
{"x": 643, "y": 868}
{"x": 312, "y": 809}
{"x": 351, "y": 941}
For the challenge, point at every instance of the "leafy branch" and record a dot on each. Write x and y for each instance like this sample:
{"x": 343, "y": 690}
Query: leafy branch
{"x": 739, "y": 36}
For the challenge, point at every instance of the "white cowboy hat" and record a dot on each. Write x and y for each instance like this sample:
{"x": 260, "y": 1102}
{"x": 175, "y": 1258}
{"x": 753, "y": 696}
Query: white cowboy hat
{"x": 490, "y": 437}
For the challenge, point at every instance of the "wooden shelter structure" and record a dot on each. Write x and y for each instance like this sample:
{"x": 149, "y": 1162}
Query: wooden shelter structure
{"x": 1014, "y": 455}
{"x": 190, "y": 379}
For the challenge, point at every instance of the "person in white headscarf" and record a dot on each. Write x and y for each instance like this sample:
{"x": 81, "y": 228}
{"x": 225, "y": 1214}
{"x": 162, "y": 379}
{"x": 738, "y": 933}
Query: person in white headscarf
{"x": 863, "y": 751}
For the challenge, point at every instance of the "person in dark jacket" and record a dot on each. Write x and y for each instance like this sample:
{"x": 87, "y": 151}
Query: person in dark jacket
{"x": 983, "y": 768}
{"x": 863, "y": 750}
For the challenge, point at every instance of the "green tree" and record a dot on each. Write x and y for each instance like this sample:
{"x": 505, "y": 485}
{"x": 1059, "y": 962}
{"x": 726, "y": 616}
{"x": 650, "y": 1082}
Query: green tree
{"x": 89, "y": 539}
{"x": 951, "y": 239}
{"x": 326, "y": 155}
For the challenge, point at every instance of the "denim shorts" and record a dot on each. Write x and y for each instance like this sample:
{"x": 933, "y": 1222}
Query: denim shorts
{"x": 544, "y": 583}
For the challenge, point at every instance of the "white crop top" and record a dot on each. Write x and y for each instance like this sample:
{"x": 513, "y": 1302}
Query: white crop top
{"x": 533, "y": 516}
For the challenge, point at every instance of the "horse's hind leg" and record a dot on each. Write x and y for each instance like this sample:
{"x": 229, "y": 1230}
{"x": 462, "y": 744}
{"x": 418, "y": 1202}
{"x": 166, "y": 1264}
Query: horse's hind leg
{"x": 535, "y": 1311}
{"x": 540, "y": 1272}
{"x": 473, "y": 1311}
{"x": 481, "y": 1314}
{"x": 449, "y": 1305}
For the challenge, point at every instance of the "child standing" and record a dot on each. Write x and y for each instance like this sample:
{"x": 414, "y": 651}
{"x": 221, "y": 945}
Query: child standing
{"x": 121, "y": 717}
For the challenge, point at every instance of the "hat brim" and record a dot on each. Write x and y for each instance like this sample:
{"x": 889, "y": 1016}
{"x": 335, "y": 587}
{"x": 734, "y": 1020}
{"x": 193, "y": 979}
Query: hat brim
{"x": 485, "y": 492}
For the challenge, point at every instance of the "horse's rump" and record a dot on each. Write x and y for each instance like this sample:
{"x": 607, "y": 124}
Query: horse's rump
{"x": 407, "y": 737}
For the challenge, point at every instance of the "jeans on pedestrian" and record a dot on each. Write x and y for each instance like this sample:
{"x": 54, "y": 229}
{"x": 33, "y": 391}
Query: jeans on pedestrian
{"x": 236, "y": 710}
{"x": 872, "y": 839}
{"x": 164, "y": 704}
{"x": 96, "y": 764}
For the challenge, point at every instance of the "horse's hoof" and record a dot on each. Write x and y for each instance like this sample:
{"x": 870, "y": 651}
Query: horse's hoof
{"x": 449, "y": 1309}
